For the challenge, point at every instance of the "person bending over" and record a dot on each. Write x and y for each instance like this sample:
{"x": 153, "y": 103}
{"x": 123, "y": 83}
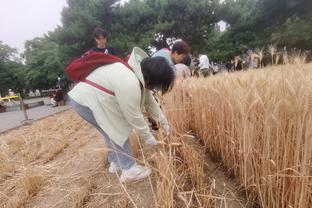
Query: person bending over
{"x": 114, "y": 106}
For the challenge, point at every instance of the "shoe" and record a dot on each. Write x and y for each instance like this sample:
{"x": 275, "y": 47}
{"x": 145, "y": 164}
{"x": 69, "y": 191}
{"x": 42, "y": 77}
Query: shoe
{"x": 114, "y": 167}
{"x": 136, "y": 172}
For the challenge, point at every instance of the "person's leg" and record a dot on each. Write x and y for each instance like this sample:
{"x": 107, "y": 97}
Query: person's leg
{"x": 53, "y": 102}
{"x": 120, "y": 155}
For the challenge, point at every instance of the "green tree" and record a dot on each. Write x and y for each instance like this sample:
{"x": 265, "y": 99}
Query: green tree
{"x": 45, "y": 61}
{"x": 156, "y": 23}
{"x": 11, "y": 70}
{"x": 79, "y": 20}
{"x": 257, "y": 23}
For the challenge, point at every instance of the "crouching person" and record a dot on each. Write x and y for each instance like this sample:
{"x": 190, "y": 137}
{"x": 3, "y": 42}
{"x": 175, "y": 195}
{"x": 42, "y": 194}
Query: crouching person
{"x": 112, "y": 99}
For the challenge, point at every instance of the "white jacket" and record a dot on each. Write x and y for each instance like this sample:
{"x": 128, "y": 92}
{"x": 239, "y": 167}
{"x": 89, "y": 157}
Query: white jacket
{"x": 120, "y": 114}
{"x": 203, "y": 62}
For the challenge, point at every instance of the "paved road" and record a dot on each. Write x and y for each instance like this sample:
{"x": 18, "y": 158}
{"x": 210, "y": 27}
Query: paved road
{"x": 46, "y": 101}
{"x": 9, "y": 120}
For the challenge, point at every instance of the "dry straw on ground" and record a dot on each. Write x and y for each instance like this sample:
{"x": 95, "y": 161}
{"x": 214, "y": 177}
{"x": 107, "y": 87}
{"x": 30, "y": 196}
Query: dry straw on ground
{"x": 61, "y": 162}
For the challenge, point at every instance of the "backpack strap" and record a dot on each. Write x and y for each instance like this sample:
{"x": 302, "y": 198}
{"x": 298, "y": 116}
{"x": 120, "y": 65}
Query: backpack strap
{"x": 103, "y": 89}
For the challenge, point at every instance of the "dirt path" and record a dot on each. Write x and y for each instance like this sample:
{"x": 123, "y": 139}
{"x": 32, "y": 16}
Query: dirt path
{"x": 222, "y": 184}
{"x": 60, "y": 162}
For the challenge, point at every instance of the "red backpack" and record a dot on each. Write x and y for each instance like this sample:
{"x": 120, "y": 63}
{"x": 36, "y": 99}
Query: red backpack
{"x": 81, "y": 67}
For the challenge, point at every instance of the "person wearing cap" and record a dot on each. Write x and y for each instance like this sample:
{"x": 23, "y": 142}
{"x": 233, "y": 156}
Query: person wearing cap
{"x": 178, "y": 52}
{"x": 116, "y": 110}
{"x": 100, "y": 37}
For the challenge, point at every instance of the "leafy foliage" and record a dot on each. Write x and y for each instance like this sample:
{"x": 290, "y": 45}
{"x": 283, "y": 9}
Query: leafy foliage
{"x": 11, "y": 69}
{"x": 155, "y": 24}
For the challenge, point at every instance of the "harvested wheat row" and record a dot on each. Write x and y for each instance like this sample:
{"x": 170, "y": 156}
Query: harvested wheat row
{"x": 258, "y": 123}
{"x": 180, "y": 178}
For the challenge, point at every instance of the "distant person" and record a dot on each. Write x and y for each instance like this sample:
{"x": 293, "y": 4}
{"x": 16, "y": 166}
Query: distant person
{"x": 183, "y": 70}
{"x": 238, "y": 63}
{"x": 178, "y": 52}
{"x": 215, "y": 68}
{"x": 31, "y": 93}
{"x": 59, "y": 84}
{"x": 229, "y": 65}
{"x": 204, "y": 66}
{"x": 11, "y": 94}
{"x": 1, "y": 102}
{"x": 56, "y": 97}
{"x": 2, "y": 105}
{"x": 100, "y": 36}
{"x": 187, "y": 60}
{"x": 37, "y": 93}
{"x": 203, "y": 62}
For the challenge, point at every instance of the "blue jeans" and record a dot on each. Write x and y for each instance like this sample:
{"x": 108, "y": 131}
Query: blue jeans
{"x": 117, "y": 154}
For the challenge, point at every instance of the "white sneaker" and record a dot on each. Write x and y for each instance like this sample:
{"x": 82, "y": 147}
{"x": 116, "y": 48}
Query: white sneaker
{"x": 114, "y": 167}
{"x": 136, "y": 172}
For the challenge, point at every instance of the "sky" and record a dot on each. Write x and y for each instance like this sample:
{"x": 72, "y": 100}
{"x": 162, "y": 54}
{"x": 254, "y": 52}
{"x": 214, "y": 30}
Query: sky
{"x": 22, "y": 20}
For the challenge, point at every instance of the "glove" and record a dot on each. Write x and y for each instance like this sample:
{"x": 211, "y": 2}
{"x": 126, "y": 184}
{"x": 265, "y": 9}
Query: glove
{"x": 151, "y": 141}
{"x": 166, "y": 129}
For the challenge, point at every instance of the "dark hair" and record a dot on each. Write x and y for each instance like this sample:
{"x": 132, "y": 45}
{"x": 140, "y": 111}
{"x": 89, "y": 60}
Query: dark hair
{"x": 180, "y": 47}
{"x": 187, "y": 60}
{"x": 99, "y": 31}
{"x": 158, "y": 74}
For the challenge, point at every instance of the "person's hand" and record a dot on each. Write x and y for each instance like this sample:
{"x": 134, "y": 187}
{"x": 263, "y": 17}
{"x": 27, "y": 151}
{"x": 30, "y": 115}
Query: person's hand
{"x": 166, "y": 129}
{"x": 151, "y": 141}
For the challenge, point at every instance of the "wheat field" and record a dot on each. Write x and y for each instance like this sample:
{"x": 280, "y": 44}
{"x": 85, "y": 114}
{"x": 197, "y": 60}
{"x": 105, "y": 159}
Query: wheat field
{"x": 258, "y": 124}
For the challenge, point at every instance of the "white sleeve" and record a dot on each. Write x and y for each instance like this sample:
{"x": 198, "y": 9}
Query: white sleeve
{"x": 128, "y": 95}
{"x": 153, "y": 108}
